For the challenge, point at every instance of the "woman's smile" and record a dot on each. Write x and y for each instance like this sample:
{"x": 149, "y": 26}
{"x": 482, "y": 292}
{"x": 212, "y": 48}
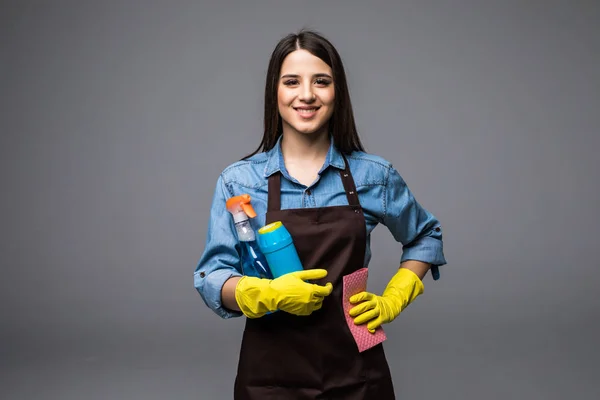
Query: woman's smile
{"x": 306, "y": 112}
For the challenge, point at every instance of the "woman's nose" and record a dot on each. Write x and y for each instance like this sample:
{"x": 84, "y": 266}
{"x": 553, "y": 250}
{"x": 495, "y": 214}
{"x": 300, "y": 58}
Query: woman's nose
{"x": 306, "y": 94}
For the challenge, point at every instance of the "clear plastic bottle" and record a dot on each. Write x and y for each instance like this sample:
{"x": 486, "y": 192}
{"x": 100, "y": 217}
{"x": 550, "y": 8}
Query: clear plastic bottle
{"x": 254, "y": 262}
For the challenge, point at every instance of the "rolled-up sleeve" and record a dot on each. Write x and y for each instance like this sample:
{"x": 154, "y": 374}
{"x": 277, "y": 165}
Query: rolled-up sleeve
{"x": 220, "y": 259}
{"x": 416, "y": 228}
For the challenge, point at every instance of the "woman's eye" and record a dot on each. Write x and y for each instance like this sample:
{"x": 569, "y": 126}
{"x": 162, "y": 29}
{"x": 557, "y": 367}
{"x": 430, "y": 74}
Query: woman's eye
{"x": 318, "y": 81}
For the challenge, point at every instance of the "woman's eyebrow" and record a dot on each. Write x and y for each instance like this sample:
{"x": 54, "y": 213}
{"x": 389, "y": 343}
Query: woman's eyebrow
{"x": 319, "y": 75}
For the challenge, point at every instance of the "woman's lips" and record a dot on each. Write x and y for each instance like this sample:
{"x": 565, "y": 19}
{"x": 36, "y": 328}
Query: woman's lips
{"x": 306, "y": 112}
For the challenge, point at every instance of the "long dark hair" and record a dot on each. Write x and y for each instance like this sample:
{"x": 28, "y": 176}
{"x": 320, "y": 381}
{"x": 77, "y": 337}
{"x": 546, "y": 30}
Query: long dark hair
{"x": 341, "y": 125}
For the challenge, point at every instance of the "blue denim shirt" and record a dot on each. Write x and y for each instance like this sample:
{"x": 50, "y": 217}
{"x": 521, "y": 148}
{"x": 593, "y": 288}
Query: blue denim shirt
{"x": 383, "y": 195}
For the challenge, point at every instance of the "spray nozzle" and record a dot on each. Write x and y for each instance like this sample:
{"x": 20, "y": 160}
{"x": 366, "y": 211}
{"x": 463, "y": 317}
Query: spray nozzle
{"x": 240, "y": 203}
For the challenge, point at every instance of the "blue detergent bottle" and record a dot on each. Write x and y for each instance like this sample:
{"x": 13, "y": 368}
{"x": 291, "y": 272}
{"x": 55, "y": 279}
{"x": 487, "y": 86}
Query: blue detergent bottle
{"x": 278, "y": 247}
{"x": 253, "y": 260}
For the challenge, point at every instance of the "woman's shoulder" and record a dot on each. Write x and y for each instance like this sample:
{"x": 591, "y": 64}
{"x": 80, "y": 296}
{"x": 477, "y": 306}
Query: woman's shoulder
{"x": 247, "y": 172}
{"x": 369, "y": 167}
{"x": 370, "y": 159}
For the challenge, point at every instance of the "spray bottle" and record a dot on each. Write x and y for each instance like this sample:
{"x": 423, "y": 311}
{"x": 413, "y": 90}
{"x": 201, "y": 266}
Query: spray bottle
{"x": 253, "y": 260}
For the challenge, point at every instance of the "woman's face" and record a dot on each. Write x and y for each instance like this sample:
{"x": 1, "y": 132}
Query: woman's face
{"x": 305, "y": 93}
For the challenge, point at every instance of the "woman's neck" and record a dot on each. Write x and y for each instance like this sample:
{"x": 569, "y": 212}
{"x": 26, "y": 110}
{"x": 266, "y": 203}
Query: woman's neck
{"x": 305, "y": 149}
{"x": 304, "y": 155}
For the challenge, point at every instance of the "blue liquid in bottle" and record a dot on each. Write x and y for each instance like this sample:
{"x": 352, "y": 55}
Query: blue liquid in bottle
{"x": 253, "y": 260}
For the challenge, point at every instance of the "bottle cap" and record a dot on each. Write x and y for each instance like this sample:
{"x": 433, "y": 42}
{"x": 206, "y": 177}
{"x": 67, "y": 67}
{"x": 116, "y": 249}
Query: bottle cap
{"x": 271, "y": 227}
{"x": 273, "y": 236}
{"x": 240, "y": 203}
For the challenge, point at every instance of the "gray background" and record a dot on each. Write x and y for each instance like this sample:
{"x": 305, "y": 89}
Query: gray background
{"x": 117, "y": 117}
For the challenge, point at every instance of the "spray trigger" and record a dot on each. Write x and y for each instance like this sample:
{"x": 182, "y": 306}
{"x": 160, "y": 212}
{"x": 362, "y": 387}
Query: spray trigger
{"x": 248, "y": 210}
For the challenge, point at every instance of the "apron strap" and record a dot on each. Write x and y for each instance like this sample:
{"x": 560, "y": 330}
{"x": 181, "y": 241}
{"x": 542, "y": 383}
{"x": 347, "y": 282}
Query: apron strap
{"x": 349, "y": 186}
{"x": 274, "y": 194}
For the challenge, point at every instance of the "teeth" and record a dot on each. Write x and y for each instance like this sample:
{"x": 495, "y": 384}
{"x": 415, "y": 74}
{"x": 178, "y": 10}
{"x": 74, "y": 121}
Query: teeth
{"x": 306, "y": 111}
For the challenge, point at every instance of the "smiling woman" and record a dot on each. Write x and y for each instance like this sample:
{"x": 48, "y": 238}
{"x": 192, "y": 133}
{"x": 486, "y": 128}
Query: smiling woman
{"x": 305, "y": 100}
{"x": 306, "y": 94}
{"x": 311, "y": 173}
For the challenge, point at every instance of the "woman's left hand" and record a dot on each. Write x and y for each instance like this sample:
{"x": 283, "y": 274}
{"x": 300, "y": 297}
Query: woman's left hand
{"x": 402, "y": 289}
{"x": 376, "y": 310}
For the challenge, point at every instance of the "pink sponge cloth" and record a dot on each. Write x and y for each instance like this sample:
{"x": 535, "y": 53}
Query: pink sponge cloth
{"x": 355, "y": 283}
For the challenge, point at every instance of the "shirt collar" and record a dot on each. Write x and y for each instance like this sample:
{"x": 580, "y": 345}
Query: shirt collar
{"x": 275, "y": 161}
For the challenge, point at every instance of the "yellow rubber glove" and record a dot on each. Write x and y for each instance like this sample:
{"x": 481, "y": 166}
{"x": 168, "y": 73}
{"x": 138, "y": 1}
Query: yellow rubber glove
{"x": 402, "y": 289}
{"x": 289, "y": 293}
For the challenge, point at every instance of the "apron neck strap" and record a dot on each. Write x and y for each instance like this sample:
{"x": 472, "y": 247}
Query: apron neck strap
{"x": 349, "y": 186}
{"x": 274, "y": 195}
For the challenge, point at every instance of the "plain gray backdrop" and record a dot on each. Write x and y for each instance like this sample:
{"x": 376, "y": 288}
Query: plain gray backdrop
{"x": 118, "y": 116}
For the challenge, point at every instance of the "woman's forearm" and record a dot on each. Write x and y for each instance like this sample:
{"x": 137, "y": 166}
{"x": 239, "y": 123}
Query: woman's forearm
{"x": 418, "y": 267}
{"x": 228, "y": 294}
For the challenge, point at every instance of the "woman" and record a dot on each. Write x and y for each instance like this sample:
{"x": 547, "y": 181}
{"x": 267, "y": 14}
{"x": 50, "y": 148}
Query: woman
{"x": 312, "y": 173}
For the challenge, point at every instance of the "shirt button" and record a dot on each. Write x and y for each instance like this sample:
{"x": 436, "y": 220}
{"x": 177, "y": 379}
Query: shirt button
{"x": 308, "y": 192}
{"x": 202, "y": 274}
{"x": 437, "y": 229}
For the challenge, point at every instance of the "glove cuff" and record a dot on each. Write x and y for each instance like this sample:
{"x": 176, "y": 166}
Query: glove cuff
{"x": 405, "y": 286}
{"x": 253, "y": 297}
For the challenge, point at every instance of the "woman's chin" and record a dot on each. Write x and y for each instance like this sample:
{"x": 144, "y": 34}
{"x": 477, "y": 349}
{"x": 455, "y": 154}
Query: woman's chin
{"x": 309, "y": 130}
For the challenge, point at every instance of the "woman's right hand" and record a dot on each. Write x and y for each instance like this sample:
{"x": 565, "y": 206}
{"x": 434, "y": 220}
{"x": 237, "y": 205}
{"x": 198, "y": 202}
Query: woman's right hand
{"x": 289, "y": 293}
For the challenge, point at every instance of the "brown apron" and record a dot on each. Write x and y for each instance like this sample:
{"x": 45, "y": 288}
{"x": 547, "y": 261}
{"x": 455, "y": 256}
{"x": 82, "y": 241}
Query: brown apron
{"x": 284, "y": 356}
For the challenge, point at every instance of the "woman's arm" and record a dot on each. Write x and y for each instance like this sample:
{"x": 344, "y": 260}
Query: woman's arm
{"x": 417, "y": 229}
{"x": 418, "y": 267}
{"x": 220, "y": 260}
{"x": 228, "y": 294}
